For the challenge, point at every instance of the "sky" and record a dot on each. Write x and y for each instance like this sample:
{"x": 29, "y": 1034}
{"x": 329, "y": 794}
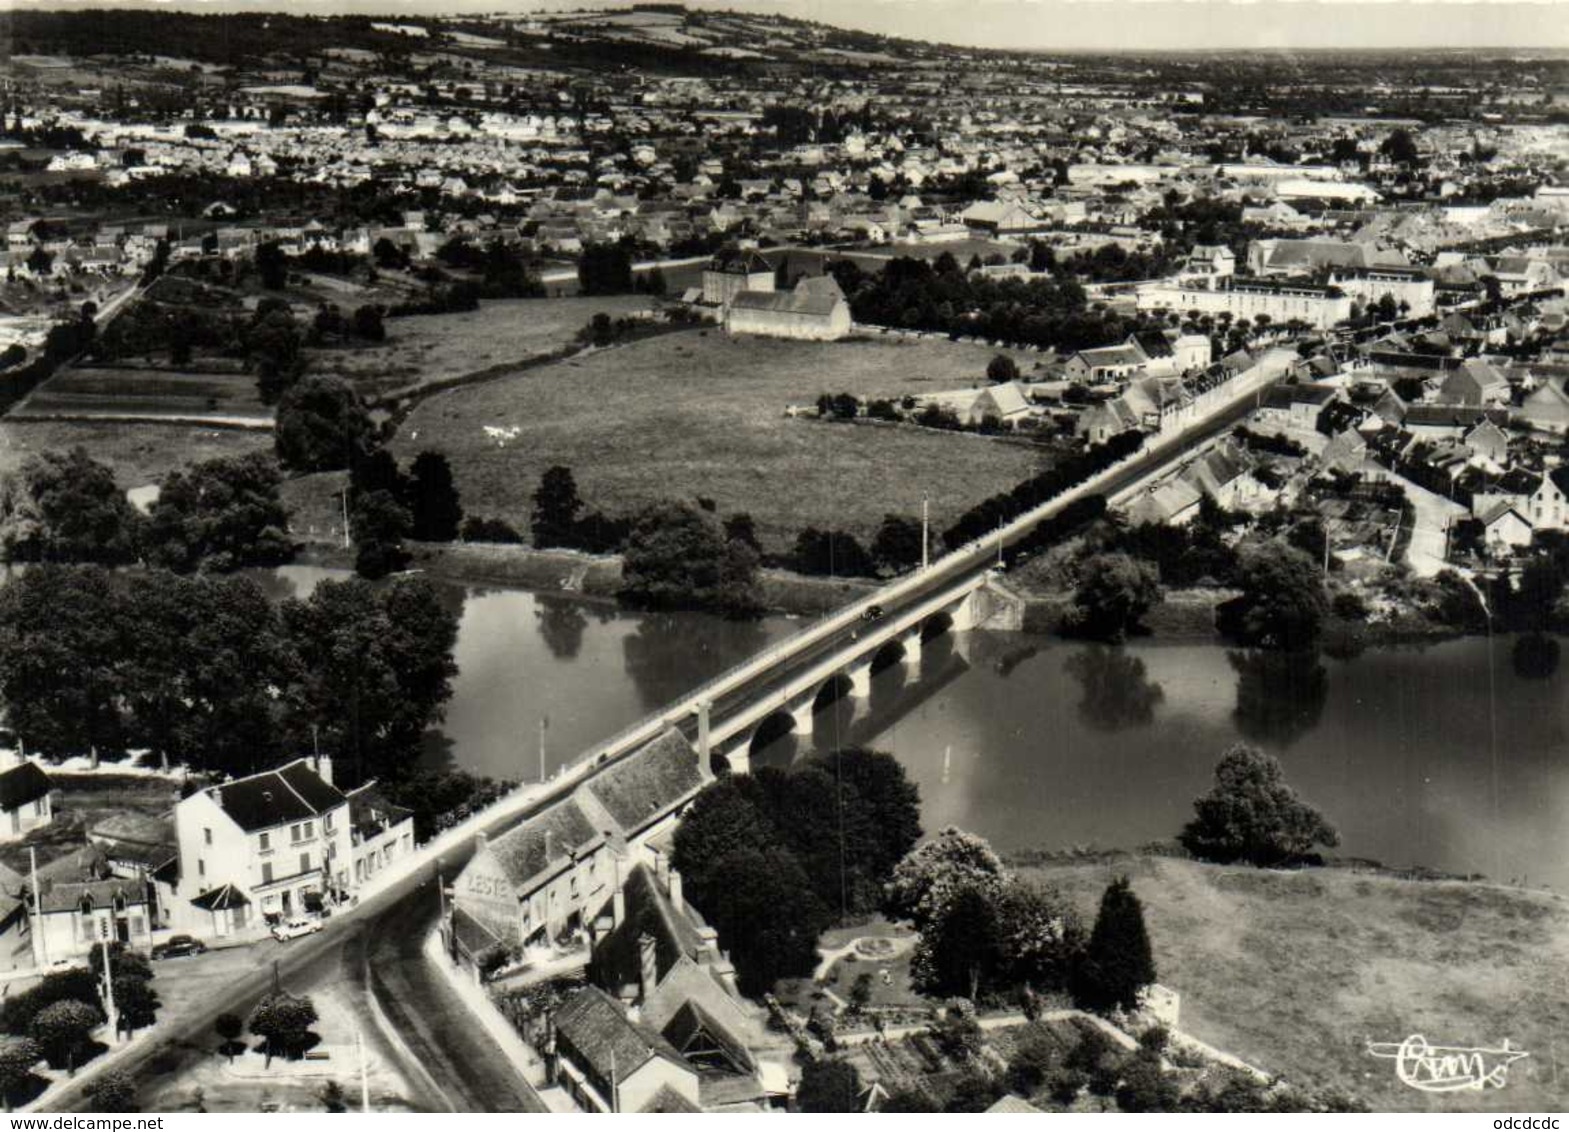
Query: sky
{"x": 1059, "y": 24}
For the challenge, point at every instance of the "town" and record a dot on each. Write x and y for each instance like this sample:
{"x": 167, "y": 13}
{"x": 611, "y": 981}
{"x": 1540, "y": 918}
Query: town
{"x": 520, "y": 532}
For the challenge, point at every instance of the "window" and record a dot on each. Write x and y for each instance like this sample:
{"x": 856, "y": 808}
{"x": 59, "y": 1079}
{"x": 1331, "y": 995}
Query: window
{"x": 326, "y": 821}
{"x": 266, "y": 842}
{"x": 39, "y": 808}
{"x": 294, "y": 833}
{"x": 310, "y": 830}
{"x": 305, "y": 862}
{"x": 266, "y": 872}
{"x": 206, "y": 837}
{"x": 201, "y": 867}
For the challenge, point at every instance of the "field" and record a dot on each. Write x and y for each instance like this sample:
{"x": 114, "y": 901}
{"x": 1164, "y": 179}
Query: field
{"x": 131, "y": 393}
{"x": 139, "y": 454}
{"x": 1295, "y": 972}
{"x": 701, "y": 414}
{"x": 427, "y": 348}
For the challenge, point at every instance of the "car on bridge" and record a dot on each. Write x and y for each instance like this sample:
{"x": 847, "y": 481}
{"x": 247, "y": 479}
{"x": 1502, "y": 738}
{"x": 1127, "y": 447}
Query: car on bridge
{"x": 872, "y": 613}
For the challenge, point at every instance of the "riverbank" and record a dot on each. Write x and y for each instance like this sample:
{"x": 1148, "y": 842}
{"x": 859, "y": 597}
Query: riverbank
{"x": 570, "y": 572}
{"x": 1297, "y": 971}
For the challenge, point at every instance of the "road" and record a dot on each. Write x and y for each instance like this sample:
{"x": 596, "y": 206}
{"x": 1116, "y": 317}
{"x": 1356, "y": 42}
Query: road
{"x": 376, "y": 947}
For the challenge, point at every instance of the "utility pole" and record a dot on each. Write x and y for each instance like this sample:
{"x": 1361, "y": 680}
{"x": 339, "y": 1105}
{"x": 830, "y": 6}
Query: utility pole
{"x": 42, "y": 946}
{"x": 359, "y": 1045}
{"x": 544, "y": 723}
{"x": 109, "y": 1008}
{"x": 926, "y": 537}
{"x": 345, "y": 498}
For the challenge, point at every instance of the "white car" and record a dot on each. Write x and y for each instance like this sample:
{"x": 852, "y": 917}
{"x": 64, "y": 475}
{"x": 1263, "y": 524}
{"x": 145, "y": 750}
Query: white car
{"x": 292, "y": 929}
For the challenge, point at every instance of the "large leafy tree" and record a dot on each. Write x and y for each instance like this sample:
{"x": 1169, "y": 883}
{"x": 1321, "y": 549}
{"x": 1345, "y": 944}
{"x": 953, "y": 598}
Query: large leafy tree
{"x": 18, "y": 1056}
{"x": 1041, "y": 935}
{"x": 769, "y": 919}
{"x": 1115, "y": 592}
{"x": 1117, "y": 963}
{"x": 321, "y": 425}
{"x": 380, "y": 524}
{"x": 283, "y": 1021}
{"x": 961, "y": 952}
{"x": 677, "y": 558}
{"x": 112, "y": 1091}
{"x": 891, "y": 801}
{"x": 59, "y": 653}
{"x": 930, "y": 877}
{"x": 1282, "y": 604}
{"x": 897, "y": 545}
{"x": 829, "y": 1084}
{"x": 432, "y": 498}
{"x": 220, "y": 515}
{"x": 556, "y": 509}
{"x": 62, "y": 1031}
{"x": 374, "y": 668}
{"x": 1252, "y": 815}
{"x": 66, "y": 507}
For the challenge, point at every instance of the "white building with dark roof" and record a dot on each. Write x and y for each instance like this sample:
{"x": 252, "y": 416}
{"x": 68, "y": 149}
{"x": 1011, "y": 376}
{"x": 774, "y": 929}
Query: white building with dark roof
{"x": 815, "y": 309}
{"x": 272, "y": 845}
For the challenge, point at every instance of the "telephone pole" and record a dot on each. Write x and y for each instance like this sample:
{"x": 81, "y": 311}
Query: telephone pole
{"x": 926, "y": 538}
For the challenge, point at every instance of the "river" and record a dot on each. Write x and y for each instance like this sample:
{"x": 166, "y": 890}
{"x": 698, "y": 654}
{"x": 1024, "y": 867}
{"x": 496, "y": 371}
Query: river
{"x": 1452, "y": 756}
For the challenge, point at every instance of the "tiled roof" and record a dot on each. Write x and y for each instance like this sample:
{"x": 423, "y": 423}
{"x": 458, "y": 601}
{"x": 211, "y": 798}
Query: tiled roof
{"x": 276, "y": 797}
{"x": 21, "y": 785}
{"x": 604, "y": 1041}
{"x": 552, "y": 835}
{"x": 617, "y": 960}
{"x": 650, "y": 782}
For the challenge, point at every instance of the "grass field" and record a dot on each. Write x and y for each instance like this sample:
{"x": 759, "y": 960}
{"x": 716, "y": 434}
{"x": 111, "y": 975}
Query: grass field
{"x": 109, "y": 392}
{"x": 138, "y": 453}
{"x": 431, "y": 347}
{"x": 701, "y": 414}
{"x": 1295, "y": 972}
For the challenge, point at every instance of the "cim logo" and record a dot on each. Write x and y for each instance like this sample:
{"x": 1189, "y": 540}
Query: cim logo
{"x": 1448, "y": 1069}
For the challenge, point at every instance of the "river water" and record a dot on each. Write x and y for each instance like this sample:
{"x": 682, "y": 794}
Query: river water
{"x": 1453, "y": 756}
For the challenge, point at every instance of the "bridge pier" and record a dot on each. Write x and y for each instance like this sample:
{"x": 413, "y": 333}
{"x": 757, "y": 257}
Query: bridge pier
{"x": 739, "y": 759}
{"x": 860, "y": 679}
{"x": 911, "y": 643}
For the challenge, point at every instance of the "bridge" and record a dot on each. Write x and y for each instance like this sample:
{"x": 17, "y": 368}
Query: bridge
{"x": 778, "y": 691}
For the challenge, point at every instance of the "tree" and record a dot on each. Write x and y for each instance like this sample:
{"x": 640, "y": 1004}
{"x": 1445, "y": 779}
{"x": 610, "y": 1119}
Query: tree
{"x": 1002, "y": 368}
{"x": 433, "y": 502}
{"x": 62, "y": 1030}
{"x": 367, "y": 323}
{"x": 18, "y": 1056}
{"x": 829, "y": 1085}
{"x": 272, "y": 266}
{"x": 66, "y": 507}
{"x": 833, "y": 553}
{"x": 961, "y": 952}
{"x": 933, "y": 875}
{"x": 957, "y": 1030}
{"x": 321, "y": 425}
{"x": 332, "y": 1097}
{"x": 897, "y": 546}
{"x": 1117, "y": 964}
{"x": 740, "y": 528}
{"x": 1040, "y": 933}
{"x": 1146, "y": 1087}
{"x": 283, "y": 1021}
{"x": 1115, "y": 592}
{"x": 769, "y": 918}
{"x": 229, "y": 1027}
{"x": 891, "y": 802}
{"x": 380, "y": 523}
{"x": 374, "y": 668}
{"x": 134, "y": 1001}
{"x": 1252, "y": 815}
{"x": 677, "y": 558}
{"x": 556, "y": 508}
{"x": 112, "y": 1091}
{"x": 861, "y": 992}
{"x": 221, "y": 514}
{"x": 274, "y": 345}
{"x": 1282, "y": 604}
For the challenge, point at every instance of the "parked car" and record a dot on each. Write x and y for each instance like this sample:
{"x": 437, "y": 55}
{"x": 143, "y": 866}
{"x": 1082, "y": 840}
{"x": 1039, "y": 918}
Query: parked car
{"x": 177, "y": 946}
{"x": 292, "y": 929}
{"x": 872, "y": 613}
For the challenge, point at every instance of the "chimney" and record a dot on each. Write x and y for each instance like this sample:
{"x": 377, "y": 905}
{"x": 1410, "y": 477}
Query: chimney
{"x": 648, "y": 965}
{"x": 676, "y": 900}
{"x": 550, "y": 844}
{"x": 324, "y": 768}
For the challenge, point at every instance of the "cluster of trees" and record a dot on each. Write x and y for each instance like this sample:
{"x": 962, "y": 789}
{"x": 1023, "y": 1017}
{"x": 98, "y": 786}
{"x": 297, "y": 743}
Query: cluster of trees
{"x": 772, "y": 858}
{"x": 206, "y": 670}
{"x": 502, "y": 270}
{"x": 217, "y": 515}
{"x": 605, "y": 269}
{"x": 366, "y": 323}
{"x": 1115, "y": 592}
{"x": 562, "y": 519}
{"x": 387, "y": 506}
{"x": 986, "y": 516}
{"x": 53, "y": 1020}
{"x": 895, "y": 549}
{"x": 1252, "y": 815}
{"x": 679, "y": 556}
{"x": 321, "y": 425}
{"x": 986, "y": 935}
{"x": 941, "y": 296}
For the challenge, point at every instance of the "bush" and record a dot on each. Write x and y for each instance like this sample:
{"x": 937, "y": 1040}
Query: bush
{"x": 1349, "y": 606}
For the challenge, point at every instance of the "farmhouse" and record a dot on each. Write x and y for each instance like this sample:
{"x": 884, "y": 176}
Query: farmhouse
{"x": 816, "y": 309}
{"x": 733, "y": 271}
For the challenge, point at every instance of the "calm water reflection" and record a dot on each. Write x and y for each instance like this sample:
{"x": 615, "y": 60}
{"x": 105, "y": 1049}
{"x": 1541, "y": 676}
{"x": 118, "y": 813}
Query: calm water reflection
{"x": 1421, "y": 757}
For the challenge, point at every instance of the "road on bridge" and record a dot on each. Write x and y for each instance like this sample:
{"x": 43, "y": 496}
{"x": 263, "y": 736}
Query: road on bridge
{"x": 375, "y": 949}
